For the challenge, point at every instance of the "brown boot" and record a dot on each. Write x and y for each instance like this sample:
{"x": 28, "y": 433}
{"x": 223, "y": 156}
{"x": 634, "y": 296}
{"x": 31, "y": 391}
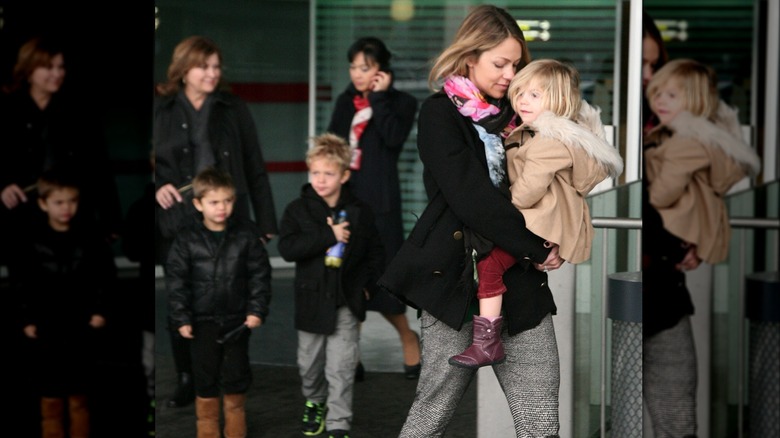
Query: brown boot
{"x": 235, "y": 415}
{"x": 52, "y": 411}
{"x": 486, "y": 347}
{"x": 79, "y": 416}
{"x": 207, "y": 411}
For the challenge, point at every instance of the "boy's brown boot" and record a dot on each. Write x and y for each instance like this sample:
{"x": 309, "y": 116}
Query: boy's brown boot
{"x": 207, "y": 411}
{"x": 486, "y": 347}
{"x": 79, "y": 416}
{"x": 235, "y": 415}
{"x": 52, "y": 410}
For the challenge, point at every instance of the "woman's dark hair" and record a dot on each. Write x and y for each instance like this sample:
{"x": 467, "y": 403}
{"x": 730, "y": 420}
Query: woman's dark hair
{"x": 373, "y": 49}
{"x": 650, "y": 30}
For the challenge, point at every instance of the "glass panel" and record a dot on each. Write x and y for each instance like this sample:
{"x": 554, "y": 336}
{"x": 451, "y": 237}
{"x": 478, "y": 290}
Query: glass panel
{"x": 622, "y": 247}
{"x": 751, "y": 250}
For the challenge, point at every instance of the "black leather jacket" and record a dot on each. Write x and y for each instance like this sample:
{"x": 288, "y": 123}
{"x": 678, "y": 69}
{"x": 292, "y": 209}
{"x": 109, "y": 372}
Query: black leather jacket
{"x": 220, "y": 281}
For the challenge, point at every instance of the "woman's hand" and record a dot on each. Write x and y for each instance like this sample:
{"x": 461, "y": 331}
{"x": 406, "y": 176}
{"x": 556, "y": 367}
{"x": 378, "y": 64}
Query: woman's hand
{"x": 167, "y": 195}
{"x": 12, "y": 195}
{"x": 553, "y": 261}
{"x": 381, "y": 82}
{"x": 691, "y": 260}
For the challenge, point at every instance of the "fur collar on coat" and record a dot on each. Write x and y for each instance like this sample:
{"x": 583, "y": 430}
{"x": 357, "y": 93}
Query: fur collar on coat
{"x": 587, "y": 132}
{"x": 724, "y": 133}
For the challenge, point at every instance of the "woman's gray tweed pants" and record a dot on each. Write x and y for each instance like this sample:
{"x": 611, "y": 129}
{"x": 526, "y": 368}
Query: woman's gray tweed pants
{"x": 669, "y": 380}
{"x": 530, "y": 378}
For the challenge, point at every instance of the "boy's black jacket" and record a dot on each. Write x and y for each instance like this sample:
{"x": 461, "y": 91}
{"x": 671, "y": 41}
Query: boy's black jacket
{"x": 222, "y": 283}
{"x": 305, "y": 236}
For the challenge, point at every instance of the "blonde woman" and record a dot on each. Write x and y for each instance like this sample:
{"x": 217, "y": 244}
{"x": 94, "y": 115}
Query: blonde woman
{"x": 461, "y": 129}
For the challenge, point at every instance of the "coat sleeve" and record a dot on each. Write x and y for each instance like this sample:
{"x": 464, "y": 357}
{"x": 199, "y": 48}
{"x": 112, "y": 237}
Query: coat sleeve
{"x": 680, "y": 160}
{"x": 259, "y": 269}
{"x": 255, "y": 171}
{"x": 341, "y": 118}
{"x": 375, "y": 256}
{"x": 463, "y": 179}
{"x": 541, "y": 160}
{"x": 393, "y": 116}
{"x": 302, "y": 236}
{"x": 178, "y": 284}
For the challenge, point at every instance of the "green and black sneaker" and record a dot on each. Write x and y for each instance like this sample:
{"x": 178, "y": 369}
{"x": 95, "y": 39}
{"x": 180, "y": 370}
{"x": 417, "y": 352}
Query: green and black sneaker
{"x": 313, "y": 418}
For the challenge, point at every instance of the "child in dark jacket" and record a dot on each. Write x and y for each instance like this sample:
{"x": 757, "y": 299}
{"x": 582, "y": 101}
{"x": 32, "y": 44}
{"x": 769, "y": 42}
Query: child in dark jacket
{"x": 218, "y": 278}
{"x": 330, "y": 289}
{"x": 64, "y": 270}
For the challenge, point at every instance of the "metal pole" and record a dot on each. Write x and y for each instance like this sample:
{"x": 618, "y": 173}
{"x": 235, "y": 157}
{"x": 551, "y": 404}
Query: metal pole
{"x": 603, "y": 408}
{"x": 740, "y": 340}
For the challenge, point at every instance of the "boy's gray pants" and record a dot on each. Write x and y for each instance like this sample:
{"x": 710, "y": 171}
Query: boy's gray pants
{"x": 327, "y": 367}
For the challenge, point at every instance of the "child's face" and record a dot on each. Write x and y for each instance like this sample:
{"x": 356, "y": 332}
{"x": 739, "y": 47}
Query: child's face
{"x": 667, "y": 102}
{"x": 216, "y": 206}
{"x": 529, "y": 103}
{"x": 326, "y": 178}
{"x": 61, "y": 205}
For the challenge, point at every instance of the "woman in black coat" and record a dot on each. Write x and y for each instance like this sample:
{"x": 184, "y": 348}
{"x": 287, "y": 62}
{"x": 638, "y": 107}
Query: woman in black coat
{"x": 460, "y": 140}
{"x": 377, "y": 119}
{"x": 41, "y": 127}
{"x": 197, "y": 126}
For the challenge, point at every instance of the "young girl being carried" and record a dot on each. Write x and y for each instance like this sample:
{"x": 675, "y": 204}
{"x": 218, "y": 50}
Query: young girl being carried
{"x": 555, "y": 158}
{"x": 694, "y": 156}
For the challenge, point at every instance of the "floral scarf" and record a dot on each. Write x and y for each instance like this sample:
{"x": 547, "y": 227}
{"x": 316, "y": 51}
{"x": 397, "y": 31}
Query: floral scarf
{"x": 493, "y": 122}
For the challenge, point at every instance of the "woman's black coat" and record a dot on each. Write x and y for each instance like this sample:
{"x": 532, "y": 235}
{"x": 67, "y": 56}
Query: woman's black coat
{"x": 77, "y": 143}
{"x": 233, "y": 137}
{"x": 304, "y": 238}
{"x": 376, "y": 183}
{"x": 427, "y": 272}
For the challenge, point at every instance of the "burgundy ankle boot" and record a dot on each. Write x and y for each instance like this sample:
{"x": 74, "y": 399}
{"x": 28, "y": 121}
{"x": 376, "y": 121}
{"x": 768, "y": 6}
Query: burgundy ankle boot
{"x": 486, "y": 347}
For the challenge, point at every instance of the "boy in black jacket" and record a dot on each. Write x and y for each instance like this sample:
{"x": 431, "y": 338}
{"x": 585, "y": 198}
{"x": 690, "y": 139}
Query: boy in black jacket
{"x": 330, "y": 291}
{"x": 219, "y": 282}
{"x": 65, "y": 268}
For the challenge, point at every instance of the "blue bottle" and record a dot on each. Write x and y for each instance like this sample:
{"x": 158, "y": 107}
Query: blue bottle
{"x": 335, "y": 254}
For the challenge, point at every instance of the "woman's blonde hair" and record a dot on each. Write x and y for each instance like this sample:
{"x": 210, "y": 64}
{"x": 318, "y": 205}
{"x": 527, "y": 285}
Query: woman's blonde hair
{"x": 331, "y": 147}
{"x": 697, "y": 82}
{"x": 559, "y": 83}
{"x": 190, "y": 52}
{"x": 484, "y": 28}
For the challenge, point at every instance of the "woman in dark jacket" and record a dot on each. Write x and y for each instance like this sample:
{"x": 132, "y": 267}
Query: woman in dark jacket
{"x": 460, "y": 140}
{"x": 377, "y": 119}
{"x": 197, "y": 126}
{"x": 40, "y": 127}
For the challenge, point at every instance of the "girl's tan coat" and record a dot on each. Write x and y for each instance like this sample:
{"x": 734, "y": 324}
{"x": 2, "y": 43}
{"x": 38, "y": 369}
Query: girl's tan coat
{"x": 558, "y": 162}
{"x": 695, "y": 163}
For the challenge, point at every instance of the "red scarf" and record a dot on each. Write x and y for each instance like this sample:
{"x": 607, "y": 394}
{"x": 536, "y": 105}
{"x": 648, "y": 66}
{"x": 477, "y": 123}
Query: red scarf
{"x": 359, "y": 121}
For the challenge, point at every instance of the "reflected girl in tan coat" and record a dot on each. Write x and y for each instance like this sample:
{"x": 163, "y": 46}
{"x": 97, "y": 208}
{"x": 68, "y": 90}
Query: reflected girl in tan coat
{"x": 698, "y": 155}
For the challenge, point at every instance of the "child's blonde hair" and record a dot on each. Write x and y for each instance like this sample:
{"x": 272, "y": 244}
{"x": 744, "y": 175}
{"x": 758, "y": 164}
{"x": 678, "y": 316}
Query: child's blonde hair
{"x": 559, "y": 83}
{"x": 698, "y": 84}
{"x": 331, "y": 147}
{"x": 209, "y": 179}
